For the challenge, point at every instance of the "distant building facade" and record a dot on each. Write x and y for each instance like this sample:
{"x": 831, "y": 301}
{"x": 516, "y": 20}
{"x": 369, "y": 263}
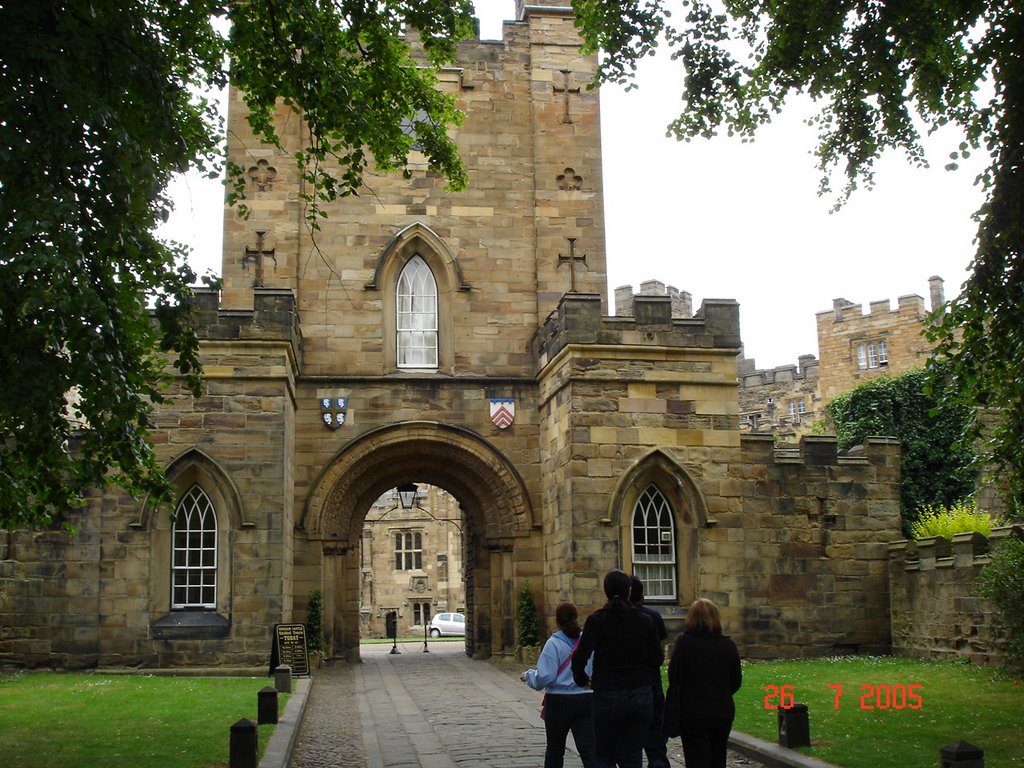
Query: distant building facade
{"x": 854, "y": 347}
{"x": 411, "y": 562}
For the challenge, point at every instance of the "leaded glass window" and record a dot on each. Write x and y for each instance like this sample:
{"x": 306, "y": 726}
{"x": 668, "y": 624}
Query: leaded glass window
{"x": 408, "y": 551}
{"x": 654, "y": 545}
{"x": 417, "y": 316}
{"x": 194, "y": 557}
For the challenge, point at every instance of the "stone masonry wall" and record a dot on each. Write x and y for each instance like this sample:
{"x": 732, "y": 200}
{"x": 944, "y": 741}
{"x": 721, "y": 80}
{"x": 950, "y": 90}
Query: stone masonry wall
{"x": 936, "y": 612}
{"x": 801, "y": 546}
{"x": 101, "y": 596}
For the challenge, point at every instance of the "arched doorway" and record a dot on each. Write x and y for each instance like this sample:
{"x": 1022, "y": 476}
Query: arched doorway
{"x": 495, "y": 504}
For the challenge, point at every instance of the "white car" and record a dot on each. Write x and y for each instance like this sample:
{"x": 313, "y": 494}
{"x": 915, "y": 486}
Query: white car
{"x": 449, "y": 624}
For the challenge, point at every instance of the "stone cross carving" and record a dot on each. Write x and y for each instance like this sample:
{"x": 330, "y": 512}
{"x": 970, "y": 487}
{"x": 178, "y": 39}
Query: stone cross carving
{"x": 566, "y": 90}
{"x": 256, "y": 255}
{"x": 572, "y": 258}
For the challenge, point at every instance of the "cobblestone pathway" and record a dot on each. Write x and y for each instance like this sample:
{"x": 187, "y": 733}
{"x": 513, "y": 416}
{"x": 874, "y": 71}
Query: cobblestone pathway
{"x": 427, "y": 710}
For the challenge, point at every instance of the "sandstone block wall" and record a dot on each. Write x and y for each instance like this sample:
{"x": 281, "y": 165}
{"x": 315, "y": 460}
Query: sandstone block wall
{"x": 936, "y": 611}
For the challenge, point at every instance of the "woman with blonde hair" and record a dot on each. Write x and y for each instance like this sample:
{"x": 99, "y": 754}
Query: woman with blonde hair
{"x": 705, "y": 669}
{"x": 566, "y": 705}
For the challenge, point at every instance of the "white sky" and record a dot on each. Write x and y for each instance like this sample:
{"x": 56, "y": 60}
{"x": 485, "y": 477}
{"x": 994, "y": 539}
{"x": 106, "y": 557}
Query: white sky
{"x": 723, "y": 219}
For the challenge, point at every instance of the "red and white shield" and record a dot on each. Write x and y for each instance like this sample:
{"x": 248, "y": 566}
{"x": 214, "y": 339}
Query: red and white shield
{"x": 503, "y": 411}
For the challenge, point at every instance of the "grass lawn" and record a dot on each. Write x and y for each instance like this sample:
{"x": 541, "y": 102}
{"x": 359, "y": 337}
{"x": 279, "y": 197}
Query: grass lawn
{"x": 957, "y": 702}
{"x": 70, "y": 720}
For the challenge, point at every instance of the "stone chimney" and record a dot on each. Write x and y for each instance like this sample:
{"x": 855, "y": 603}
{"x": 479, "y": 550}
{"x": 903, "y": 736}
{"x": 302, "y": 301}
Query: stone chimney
{"x": 936, "y": 292}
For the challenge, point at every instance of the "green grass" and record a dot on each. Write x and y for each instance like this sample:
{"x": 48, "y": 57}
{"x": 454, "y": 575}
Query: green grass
{"x": 70, "y": 720}
{"x": 958, "y": 701}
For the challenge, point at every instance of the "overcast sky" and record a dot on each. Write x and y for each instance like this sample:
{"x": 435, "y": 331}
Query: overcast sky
{"x": 724, "y": 219}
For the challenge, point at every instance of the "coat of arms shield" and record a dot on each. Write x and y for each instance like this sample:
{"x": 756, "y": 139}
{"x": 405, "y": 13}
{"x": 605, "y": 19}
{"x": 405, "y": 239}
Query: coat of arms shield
{"x": 503, "y": 411}
{"x": 332, "y": 411}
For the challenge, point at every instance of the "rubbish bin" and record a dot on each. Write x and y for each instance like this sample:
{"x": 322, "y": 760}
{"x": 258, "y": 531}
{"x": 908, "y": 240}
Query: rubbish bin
{"x": 794, "y": 727}
{"x": 961, "y": 754}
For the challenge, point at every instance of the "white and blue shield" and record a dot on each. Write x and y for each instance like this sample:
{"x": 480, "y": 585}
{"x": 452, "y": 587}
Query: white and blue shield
{"x": 332, "y": 411}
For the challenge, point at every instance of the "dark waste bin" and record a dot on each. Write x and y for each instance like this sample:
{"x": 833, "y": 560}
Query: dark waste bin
{"x": 794, "y": 727}
{"x": 961, "y": 754}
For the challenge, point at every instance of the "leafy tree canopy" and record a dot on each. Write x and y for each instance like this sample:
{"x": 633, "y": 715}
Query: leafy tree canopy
{"x": 878, "y": 70}
{"x": 100, "y": 103}
{"x": 935, "y": 468}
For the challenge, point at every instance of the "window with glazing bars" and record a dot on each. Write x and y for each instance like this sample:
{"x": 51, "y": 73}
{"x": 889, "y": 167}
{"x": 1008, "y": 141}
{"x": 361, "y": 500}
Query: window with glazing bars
{"x": 654, "y": 545}
{"x": 417, "y": 316}
{"x": 408, "y": 551}
{"x": 194, "y": 559}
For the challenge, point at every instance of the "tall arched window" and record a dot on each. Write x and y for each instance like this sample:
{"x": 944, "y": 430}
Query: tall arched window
{"x": 194, "y": 553}
{"x": 417, "y": 316}
{"x": 654, "y": 545}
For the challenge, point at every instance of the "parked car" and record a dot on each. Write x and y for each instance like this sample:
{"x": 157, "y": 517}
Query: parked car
{"x": 448, "y": 624}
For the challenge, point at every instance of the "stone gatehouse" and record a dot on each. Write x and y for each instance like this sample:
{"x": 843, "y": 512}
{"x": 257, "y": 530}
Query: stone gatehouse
{"x": 462, "y": 341}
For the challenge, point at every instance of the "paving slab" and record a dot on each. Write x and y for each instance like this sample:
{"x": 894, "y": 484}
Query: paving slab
{"x": 439, "y": 709}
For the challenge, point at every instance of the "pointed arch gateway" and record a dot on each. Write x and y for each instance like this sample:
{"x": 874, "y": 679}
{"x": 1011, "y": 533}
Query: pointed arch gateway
{"x": 496, "y": 511}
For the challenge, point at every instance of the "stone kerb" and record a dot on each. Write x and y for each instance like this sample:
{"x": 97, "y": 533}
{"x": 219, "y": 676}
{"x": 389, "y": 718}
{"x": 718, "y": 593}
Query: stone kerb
{"x": 935, "y": 610}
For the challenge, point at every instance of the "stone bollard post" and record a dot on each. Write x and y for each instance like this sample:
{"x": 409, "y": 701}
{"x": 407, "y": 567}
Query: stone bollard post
{"x": 244, "y": 746}
{"x": 961, "y": 754}
{"x": 267, "y": 709}
{"x": 283, "y": 679}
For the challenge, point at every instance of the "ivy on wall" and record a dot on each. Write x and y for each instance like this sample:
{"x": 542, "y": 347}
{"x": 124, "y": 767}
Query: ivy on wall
{"x": 935, "y": 467}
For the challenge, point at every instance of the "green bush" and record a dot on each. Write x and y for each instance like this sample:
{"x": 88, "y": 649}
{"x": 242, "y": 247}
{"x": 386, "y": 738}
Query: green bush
{"x": 528, "y": 634}
{"x": 962, "y": 517}
{"x": 315, "y": 622}
{"x": 1002, "y": 581}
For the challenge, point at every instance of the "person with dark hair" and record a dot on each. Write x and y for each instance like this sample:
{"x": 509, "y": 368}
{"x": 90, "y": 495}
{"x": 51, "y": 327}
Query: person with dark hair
{"x": 705, "y": 665}
{"x": 624, "y": 645}
{"x": 656, "y": 742}
{"x": 567, "y": 706}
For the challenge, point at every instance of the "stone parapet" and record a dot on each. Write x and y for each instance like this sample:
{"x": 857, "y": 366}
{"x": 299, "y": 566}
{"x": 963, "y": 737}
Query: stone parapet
{"x": 935, "y": 607}
{"x": 578, "y": 320}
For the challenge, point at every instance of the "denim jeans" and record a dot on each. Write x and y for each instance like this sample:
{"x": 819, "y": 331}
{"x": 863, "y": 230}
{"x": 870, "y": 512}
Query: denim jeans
{"x": 563, "y": 713}
{"x": 656, "y": 743}
{"x": 621, "y": 720}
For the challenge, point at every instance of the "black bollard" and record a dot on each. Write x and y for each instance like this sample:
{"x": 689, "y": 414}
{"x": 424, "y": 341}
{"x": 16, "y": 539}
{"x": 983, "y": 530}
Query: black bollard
{"x": 794, "y": 727}
{"x": 244, "y": 749}
{"x": 961, "y": 754}
{"x": 267, "y": 709}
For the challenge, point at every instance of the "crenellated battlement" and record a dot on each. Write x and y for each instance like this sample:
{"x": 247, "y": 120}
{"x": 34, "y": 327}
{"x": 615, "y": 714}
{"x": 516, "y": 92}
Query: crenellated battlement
{"x": 272, "y": 318}
{"x": 682, "y": 301}
{"x": 807, "y": 367}
{"x": 578, "y": 320}
{"x": 936, "y": 610}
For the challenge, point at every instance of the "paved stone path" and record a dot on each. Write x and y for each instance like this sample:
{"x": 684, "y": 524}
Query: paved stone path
{"x": 428, "y": 710}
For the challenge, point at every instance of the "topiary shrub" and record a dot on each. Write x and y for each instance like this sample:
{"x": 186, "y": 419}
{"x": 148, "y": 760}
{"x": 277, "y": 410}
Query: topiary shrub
{"x": 315, "y": 623}
{"x": 528, "y": 633}
{"x": 962, "y": 517}
{"x": 1002, "y": 581}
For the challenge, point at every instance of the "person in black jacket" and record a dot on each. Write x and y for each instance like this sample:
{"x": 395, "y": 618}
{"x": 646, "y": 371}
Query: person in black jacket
{"x": 625, "y": 647}
{"x": 656, "y": 742}
{"x": 705, "y": 665}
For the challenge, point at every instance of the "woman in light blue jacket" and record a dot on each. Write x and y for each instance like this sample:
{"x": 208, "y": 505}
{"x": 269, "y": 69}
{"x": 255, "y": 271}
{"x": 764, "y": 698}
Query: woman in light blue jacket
{"x": 566, "y": 706}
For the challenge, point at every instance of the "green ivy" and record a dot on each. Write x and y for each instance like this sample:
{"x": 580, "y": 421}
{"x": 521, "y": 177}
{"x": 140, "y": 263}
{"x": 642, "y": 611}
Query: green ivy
{"x": 1002, "y": 581}
{"x": 935, "y": 466}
